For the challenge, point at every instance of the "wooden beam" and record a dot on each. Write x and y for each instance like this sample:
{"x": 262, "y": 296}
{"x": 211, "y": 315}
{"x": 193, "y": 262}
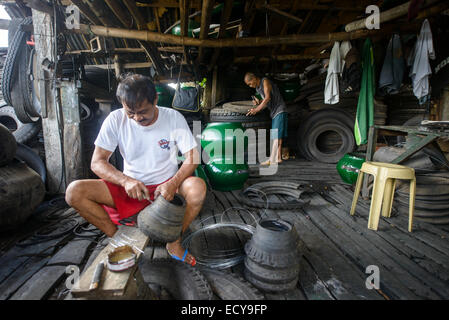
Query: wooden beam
{"x": 102, "y": 12}
{"x": 295, "y": 39}
{"x": 114, "y": 51}
{"x": 120, "y": 13}
{"x": 225, "y": 15}
{"x": 86, "y": 12}
{"x": 184, "y": 14}
{"x": 205, "y": 22}
{"x": 149, "y": 47}
{"x": 387, "y": 15}
{"x": 284, "y": 57}
{"x": 134, "y": 65}
{"x": 39, "y": 5}
{"x": 281, "y": 13}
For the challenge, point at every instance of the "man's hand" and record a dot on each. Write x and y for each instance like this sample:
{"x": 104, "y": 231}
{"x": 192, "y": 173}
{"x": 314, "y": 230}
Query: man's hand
{"x": 167, "y": 190}
{"x": 136, "y": 189}
{"x": 252, "y": 111}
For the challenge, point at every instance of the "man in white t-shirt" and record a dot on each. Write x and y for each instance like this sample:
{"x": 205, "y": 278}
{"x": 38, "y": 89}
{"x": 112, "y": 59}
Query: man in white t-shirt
{"x": 148, "y": 138}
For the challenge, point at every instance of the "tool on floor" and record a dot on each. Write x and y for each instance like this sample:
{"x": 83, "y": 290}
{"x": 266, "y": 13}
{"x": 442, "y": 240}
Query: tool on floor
{"x": 97, "y": 276}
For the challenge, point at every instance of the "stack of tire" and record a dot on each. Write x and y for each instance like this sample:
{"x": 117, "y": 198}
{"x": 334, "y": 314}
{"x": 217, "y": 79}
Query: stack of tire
{"x": 21, "y": 188}
{"x": 326, "y": 135}
{"x": 348, "y": 103}
{"x": 272, "y": 256}
{"x": 403, "y": 106}
{"x": 21, "y": 111}
{"x": 431, "y": 199}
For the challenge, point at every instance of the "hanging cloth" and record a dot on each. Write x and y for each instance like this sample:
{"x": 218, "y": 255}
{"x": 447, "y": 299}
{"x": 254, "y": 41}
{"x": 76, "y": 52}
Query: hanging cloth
{"x": 365, "y": 105}
{"x": 392, "y": 73}
{"x": 419, "y": 61}
{"x": 331, "y": 89}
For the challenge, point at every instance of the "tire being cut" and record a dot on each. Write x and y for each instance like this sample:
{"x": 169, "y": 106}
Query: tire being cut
{"x": 8, "y": 146}
{"x": 238, "y": 106}
{"x": 181, "y": 280}
{"x": 230, "y": 286}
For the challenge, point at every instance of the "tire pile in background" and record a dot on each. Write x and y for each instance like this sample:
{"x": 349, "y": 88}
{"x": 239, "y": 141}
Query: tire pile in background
{"x": 21, "y": 188}
{"x": 403, "y": 106}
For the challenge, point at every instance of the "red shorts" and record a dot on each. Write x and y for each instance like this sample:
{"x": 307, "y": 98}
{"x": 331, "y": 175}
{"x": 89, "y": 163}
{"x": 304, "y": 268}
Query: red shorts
{"x": 126, "y": 207}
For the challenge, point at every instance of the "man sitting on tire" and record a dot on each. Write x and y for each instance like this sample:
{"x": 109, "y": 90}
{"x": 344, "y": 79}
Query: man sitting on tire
{"x": 272, "y": 99}
{"x": 148, "y": 138}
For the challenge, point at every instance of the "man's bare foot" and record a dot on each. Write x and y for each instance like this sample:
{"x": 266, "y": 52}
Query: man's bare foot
{"x": 175, "y": 249}
{"x": 265, "y": 163}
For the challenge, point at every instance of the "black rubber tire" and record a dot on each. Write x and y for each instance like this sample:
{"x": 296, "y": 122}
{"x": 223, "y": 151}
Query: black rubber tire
{"x": 32, "y": 160}
{"x": 440, "y": 220}
{"x": 318, "y": 117}
{"x": 8, "y": 146}
{"x": 162, "y": 220}
{"x": 21, "y": 192}
{"x": 230, "y": 286}
{"x": 273, "y": 187}
{"x": 12, "y": 28}
{"x": 277, "y": 249}
{"x": 238, "y": 106}
{"x": 270, "y": 287}
{"x": 23, "y": 132}
{"x": 222, "y": 115}
{"x": 9, "y": 67}
{"x": 270, "y": 274}
{"x": 346, "y": 136}
{"x": 257, "y": 125}
{"x": 183, "y": 281}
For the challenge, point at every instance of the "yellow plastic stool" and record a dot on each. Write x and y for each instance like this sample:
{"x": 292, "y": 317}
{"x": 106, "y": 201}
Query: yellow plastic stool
{"x": 385, "y": 175}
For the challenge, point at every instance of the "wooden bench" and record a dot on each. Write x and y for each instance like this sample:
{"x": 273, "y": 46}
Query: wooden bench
{"x": 122, "y": 285}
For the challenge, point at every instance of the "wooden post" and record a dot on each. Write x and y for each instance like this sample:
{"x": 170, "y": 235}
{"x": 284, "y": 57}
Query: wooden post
{"x": 214, "y": 88}
{"x": 444, "y": 104}
{"x": 60, "y": 112}
{"x": 54, "y": 160}
{"x": 73, "y": 150}
{"x": 117, "y": 66}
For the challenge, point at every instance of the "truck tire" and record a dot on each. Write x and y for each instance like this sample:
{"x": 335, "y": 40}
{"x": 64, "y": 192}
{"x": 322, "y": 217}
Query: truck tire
{"x": 223, "y": 115}
{"x": 8, "y": 146}
{"x": 230, "y": 286}
{"x": 23, "y": 132}
{"x": 181, "y": 280}
{"x": 21, "y": 192}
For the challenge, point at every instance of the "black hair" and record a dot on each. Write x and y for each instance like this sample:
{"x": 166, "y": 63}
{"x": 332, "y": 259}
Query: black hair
{"x": 134, "y": 89}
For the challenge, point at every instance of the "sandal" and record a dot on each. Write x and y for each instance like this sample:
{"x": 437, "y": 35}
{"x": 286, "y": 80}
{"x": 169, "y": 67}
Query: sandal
{"x": 193, "y": 263}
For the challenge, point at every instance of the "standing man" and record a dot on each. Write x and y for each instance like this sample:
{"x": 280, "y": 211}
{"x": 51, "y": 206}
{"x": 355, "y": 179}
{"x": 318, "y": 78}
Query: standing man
{"x": 147, "y": 137}
{"x": 272, "y": 100}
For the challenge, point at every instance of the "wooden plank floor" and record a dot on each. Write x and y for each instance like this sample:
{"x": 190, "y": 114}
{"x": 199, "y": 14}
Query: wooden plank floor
{"x": 336, "y": 248}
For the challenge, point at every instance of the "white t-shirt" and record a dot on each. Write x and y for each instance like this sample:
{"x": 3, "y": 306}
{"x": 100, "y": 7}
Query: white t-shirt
{"x": 149, "y": 152}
